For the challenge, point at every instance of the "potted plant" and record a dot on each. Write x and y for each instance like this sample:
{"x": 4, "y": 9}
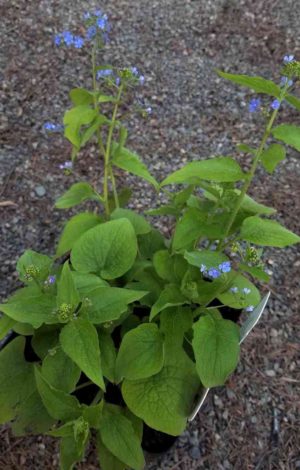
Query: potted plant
{"x": 122, "y": 328}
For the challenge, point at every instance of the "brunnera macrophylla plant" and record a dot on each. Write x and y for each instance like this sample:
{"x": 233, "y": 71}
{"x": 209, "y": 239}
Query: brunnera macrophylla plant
{"x": 119, "y": 306}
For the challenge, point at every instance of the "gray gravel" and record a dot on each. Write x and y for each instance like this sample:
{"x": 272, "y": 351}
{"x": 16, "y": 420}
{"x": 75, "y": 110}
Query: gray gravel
{"x": 177, "y": 44}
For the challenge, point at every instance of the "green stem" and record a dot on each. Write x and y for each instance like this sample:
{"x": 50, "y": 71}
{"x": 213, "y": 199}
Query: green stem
{"x": 85, "y": 384}
{"x": 97, "y": 398}
{"x": 107, "y": 168}
{"x": 251, "y": 173}
{"x": 113, "y": 182}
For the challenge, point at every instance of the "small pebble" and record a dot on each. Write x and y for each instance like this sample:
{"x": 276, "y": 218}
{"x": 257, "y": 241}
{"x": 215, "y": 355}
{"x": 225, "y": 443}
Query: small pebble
{"x": 270, "y": 373}
{"x": 40, "y": 191}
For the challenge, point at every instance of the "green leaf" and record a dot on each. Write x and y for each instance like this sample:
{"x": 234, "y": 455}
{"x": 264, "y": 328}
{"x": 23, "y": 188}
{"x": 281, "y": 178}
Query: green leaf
{"x": 250, "y": 205}
{"x": 221, "y": 169}
{"x": 44, "y": 340}
{"x": 85, "y": 283}
{"x": 141, "y": 353}
{"x": 78, "y": 193}
{"x": 239, "y": 299}
{"x": 130, "y": 161}
{"x": 108, "y": 303}
{"x": 210, "y": 259}
{"x": 60, "y": 371}
{"x": 79, "y": 340}
{"x": 59, "y": 404}
{"x": 107, "y": 460}
{"x": 246, "y": 149}
{"x": 93, "y": 414}
{"x": 289, "y": 134}
{"x": 106, "y": 99}
{"x": 32, "y": 417}
{"x": 267, "y": 233}
{"x": 293, "y": 101}
{"x": 88, "y": 133}
{"x": 17, "y": 379}
{"x": 30, "y": 305}
{"x": 169, "y": 297}
{"x": 31, "y": 258}
{"x": 139, "y": 223}
{"x": 66, "y": 290}
{"x": 80, "y": 96}
{"x": 174, "y": 322}
{"x": 216, "y": 348}
{"x": 165, "y": 400}
{"x": 23, "y": 329}
{"x": 109, "y": 249}
{"x": 74, "y": 229}
{"x": 71, "y": 451}
{"x": 150, "y": 243}
{"x": 76, "y": 117}
{"x": 273, "y": 155}
{"x": 258, "y": 84}
{"x": 119, "y": 437}
{"x": 108, "y": 355}
{"x": 255, "y": 272}
{"x": 6, "y": 324}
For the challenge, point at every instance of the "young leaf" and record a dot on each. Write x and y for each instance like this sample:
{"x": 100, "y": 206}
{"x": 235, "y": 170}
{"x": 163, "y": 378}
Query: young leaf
{"x": 74, "y": 228}
{"x": 79, "y": 340}
{"x": 108, "y": 303}
{"x": 78, "y": 193}
{"x": 30, "y": 305}
{"x": 76, "y": 117}
{"x": 60, "y": 371}
{"x": 239, "y": 299}
{"x": 17, "y": 380}
{"x": 119, "y": 437}
{"x": 216, "y": 348}
{"x": 169, "y": 297}
{"x": 80, "y": 96}
{"x": 220, "y": 169}
{"x": 59, "y": 404}
{"x": 289, "y": 134}
{"x": 272, "y": 156}
{"x": 140, "y": 225}
{"x": 164, "y": 400}
{"x": 108, "y": 355}
{"x": 108, "y": 249}
{"x": 130, "y": 161}
{"x": 250, "y": 205}
{"x": 258, "y": 84}
{"x": 267, "y": 233}
{"x": 141, "y": 353}
{"x": 31, "y": 258}
{"x": 66, "y": 290}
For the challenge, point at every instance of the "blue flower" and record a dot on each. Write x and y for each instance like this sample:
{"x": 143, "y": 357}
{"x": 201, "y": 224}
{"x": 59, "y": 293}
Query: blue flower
{"x": 203, "y": 268}
{"x": 225, "y": 267}
{"x": 246, "y": 291}
{"x": 286, "y": 80}
{"x": 250, "y": 308}
{"x": 118, "y": 81}
{"x": 57, "y": 40}
{"x": 101, "y": 23}
{"x": 86, "y": 15}
{"x": 98, "y": 13}
{"x": 68, "y": 165}
{"x": 68, "y": 38}
{"x": 148, "y": 110}
{"x": 134, "y": 71}
{"x": 275, "y": 104}
{"x": 142, "y": 79}
{"x": 234, "y": 290}
{"x": 91, "y": 32}
{"x": 51, "y": 127}
{"x": 214, "y": 273}
{"x": 288, "y": 58}
{"x": 78, "y": 42}
{"x": 50, "y": 280}
{"x": 104, "y": 73}
{"x": 254, "y": 105}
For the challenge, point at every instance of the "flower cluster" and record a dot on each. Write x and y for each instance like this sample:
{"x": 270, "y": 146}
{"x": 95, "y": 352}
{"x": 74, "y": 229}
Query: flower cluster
{"x": 245, "y": 290}
{"x": 214, "y": 273}
{"x": 97, "y": 25}
{"x": 69, "y": 39}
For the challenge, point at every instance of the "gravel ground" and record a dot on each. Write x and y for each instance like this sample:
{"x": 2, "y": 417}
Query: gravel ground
{"x": 253, "y": 423}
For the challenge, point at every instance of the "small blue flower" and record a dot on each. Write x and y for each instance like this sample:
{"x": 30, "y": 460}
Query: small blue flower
{"x": 254, "y": 105}
{"x": 68, "y": 38}
{"x": 86, "y": 15}
{"x": 250, "y": 308}
{"x": 103, "y": 73}
{"x": 101, "y": 23}
{"x": 98, "y": 13}
{"x": 68, "y": 165}
{"x": 50, "y": 280}
{"x": 51, "y": 127}
{"x": 214, "y": 273}
{"x": 105, "y": 38}
{"x": 57, "y": 40}
{"x": 225, "y": 267}
{"x": 78, "y": 42}
{"x": 275, "y": 104}
{"x": 203, "y": 268}
{"x": 246, "y": 291}
{"x": 118, "y": 81}
{"x": 148, "y": 110}
{"x": 134, "y": 71}
{"x": 288, "y": 58}
{"x": 91, "y": 32}
{"x": 286, "y": 80}
{"x": 142, "y": 79}
{"x": 234, "y": 290}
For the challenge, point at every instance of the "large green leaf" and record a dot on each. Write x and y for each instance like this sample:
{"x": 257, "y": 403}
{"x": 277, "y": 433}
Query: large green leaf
{"x": 76, "y": 117}
{"x": 109, "y": 249}
{"x": 107, "y": 460}
{"x": 175, "y": 321}
{"x": 85, "y": 283}
{"x": 76, "y": 194}
{"x": 165, "y": 400}
{"x": 44, "y": 340}
{"x": 6, "y": 324}
{"x": 119, "y": 437}
{"x": 150, "y": 243}
{"x": 140, "y": 224}
{"x": 60, "y": 371}
{"x": 66, "y": 290}
{"x": 210, "y": 259}
{"x": 250, "y": 205}
{"x": 169, "y": 297}
{"x": 216, "y": 348}
{"x": 17, "y": 380}
{"x": 59, "y": 404}
{"x": 289, "y": 134}
{"x": 32, "y": 416}
{"x": 79, "y": 340}
{"x": 273, "y": 155}
{"x": 141, "y": 353}
{"x": 74, "y": 228}
{"x": 130, "y": 161}
{"x": 31, "y": 258}
{"x": 258, "y": 84}
{"x": 239, "y": 299}
{"x": 80, "y": 96}
{"x": 267, "y": 233}
{"x": 108, "y": 354}
{"x": 30, "y": 305}
{"x": 220, "y": 169}
{"x": 71, "y": 451}
{"x": 108, "y": 303}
